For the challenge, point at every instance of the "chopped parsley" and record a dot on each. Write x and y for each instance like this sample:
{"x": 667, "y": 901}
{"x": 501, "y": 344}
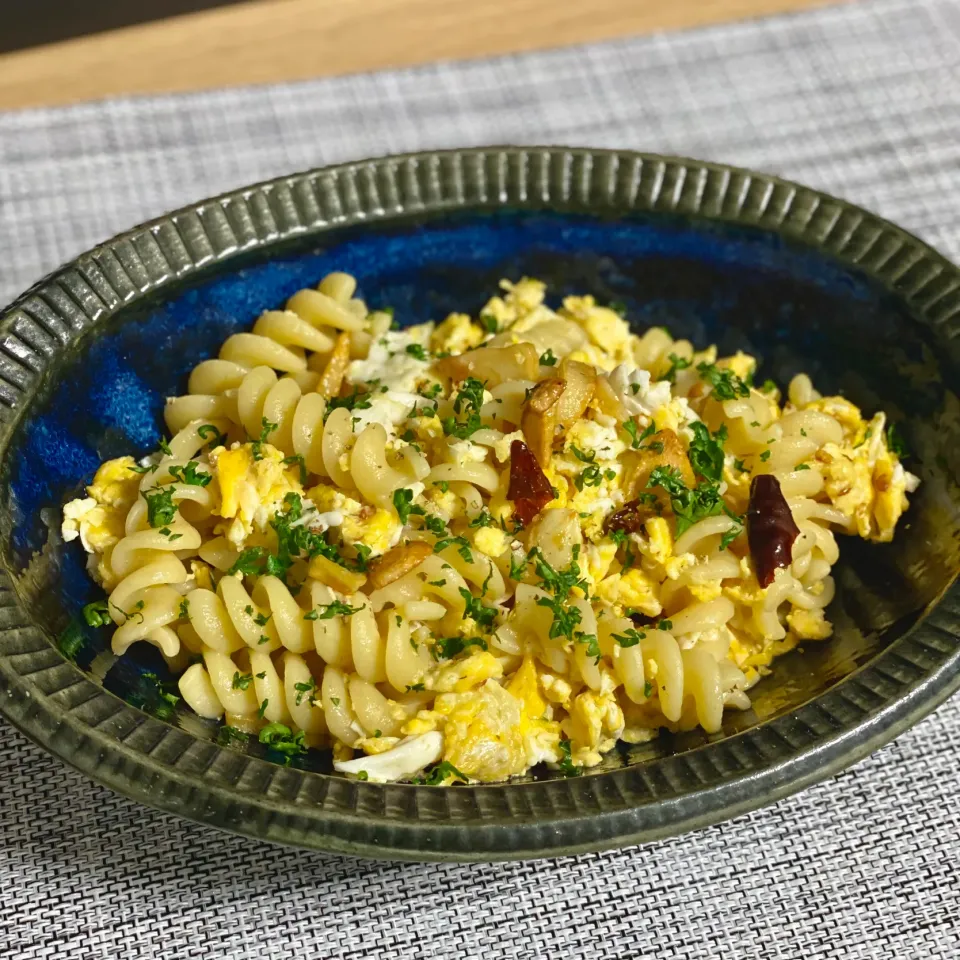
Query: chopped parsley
{"x": 209, "y": 430}
{"x": 188, "y": 474}
{"x": 328, "y": 611}
{"x": 266, "y": 428}
{"x": 517, "y": 569}
{"x": 165, "y": 446}
{"x": 592, "y": 644}
{"x": 184, "y": 612}
{"x": 665, "y": 625}
{"x": 461, "y": 543}
{"x": 72, "y": 640}
{"x": 156, "y": 696}
{"x": 442, "y": 772}
{"x": 448, "y": 647}
{"x": 403, "y": 504}
{"x": 591, "y": 475}
{"x": 431, "y": 393}
{"x": 358, "y": 400}
{"x": 726, "y": 384}
{"x": 417, "y": 352}
{"x": 281, "y": 739}
{"x": 97, "y": 614}
{"x": 435, "y": 525}
{"x": 547, "y": 359}
{"x": 150, "y": 468}
{"x": 630, "y": 637}
{"x": 242, "y": 680}
{"x": 414, "y": 688}
{"x": 567, "y": 767}
{"x": 621, "y": 539}
{"x": 566, "y": 617}
{"x": 297, "y": 458}
{"x": 468, "y": 401}
{"x": 263, "y": 709}
{"x": 676, "y": 364}
{"x": 474, "y": 608}
{"x": 304, "y": 689}
{"x": 131, "y": 614}
{"x": 249, "y": 562}
{"x": 802, "y": 466}
{"x": 581, "y": 456}
{"x": 489, "y": 322}
{"x": 765, "y": 456}
{"x": 483, "y": 519}
{"x": 730, "y": 536}
{"x": 689, "y": 506}
{"x": 636, "y": 442}
{"x": 160, "y": 506}
{"x": 227, "y": 735}
{"x": 706, "y": 452}
{"x": 895, "y": 442}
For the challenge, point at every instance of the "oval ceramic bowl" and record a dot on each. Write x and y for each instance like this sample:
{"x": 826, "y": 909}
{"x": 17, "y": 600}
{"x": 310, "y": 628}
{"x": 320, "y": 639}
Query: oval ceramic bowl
{"x": 720, "y": 255}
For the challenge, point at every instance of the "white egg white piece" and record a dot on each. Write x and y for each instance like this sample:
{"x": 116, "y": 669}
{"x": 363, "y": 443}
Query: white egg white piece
{"x": 406, "y": 759}
{"x": 391, "y": 364}
{"x": 73, "y": 515}
{"x": 637, "y": 394}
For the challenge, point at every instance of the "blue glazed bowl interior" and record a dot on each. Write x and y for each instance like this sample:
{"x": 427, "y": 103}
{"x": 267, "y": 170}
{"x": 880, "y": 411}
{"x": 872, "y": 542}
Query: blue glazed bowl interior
{"x": 738, "y": 287}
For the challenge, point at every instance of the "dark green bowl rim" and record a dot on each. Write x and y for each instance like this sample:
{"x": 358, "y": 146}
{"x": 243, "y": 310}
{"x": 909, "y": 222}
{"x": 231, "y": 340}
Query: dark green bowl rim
{"x": 52, "y": 701}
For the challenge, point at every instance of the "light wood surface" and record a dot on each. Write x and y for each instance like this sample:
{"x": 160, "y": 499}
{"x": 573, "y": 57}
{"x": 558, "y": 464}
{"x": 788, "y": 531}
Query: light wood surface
{"x": 274, "y": 40}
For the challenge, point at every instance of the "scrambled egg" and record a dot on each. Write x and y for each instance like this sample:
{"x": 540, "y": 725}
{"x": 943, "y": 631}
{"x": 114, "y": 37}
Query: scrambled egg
{"x": 98, "y": 519}
{"x": 374, "y": 527}
{"x": 609, "y": 333}
{"x": 742, "y": 364}
{"x": 491, "y": 541}
{"x": 541, "y": 735}
{"x": 457, "y": 334}
{"x": 598, "y": 559}
{"x": 594, "y": 725}
{"x": 658, "y": 548}
{"x": 634, "y": 590}
{"x": 482, "y": 735}
{"x": 863, "y": 479}
{"x": 458, "y": 676}
{"x": 522, "y": 299}
{"x": 809, "y": 624}
{"x": 251, "y": 490}
{"x": 675, "y": 415}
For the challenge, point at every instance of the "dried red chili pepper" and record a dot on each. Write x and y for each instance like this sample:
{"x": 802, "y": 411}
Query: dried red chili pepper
{"x": 771, "y": 530}
{"x": 529, "y": 489}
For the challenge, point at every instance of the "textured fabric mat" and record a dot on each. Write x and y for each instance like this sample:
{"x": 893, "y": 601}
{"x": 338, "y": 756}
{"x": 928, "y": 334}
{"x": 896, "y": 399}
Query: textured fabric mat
{"x": 861, "y": 100}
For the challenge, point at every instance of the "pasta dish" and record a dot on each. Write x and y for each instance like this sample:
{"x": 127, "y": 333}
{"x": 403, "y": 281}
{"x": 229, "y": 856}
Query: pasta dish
{"x": 453, "y": 551}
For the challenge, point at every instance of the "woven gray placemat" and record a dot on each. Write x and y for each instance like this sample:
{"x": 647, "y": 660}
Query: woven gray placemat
{"x": 859, "y": 100}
